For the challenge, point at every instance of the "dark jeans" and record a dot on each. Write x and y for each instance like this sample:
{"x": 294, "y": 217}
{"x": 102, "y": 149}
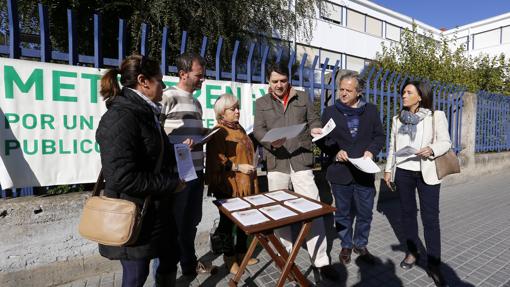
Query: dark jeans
{"x": 363, "y": 198}
{"x": 187, "y": 209}
{"x": 135, "y": 272}
{"x": 407, "y": 182}
{"x": 225, "y": 229}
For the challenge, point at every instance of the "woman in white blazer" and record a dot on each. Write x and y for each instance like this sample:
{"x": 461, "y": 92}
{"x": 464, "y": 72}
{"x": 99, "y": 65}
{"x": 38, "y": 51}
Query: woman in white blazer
{"x": 413, "y": 168}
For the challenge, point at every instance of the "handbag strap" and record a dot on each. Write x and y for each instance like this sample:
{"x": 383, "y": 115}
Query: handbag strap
{"x": 433, "y": 128}
{"x": 99, "y": 185}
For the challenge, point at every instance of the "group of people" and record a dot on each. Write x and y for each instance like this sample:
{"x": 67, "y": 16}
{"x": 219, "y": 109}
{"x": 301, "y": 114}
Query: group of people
{"x": 144, "y": 119}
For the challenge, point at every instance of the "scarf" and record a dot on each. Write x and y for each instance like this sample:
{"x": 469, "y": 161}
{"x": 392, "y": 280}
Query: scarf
{"x": 410, "y": 120}
{"x": 352, "y": 115}
{"x": 231, "y": 125}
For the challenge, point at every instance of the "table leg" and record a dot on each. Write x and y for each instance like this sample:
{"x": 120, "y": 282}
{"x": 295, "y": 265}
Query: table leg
{"x": 290, "y": 261}
{"x": 233, "y": 282}
{"x": 295, "y": 273}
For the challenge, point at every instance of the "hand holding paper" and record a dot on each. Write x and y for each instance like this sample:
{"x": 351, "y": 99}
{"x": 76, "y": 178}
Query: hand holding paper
{"x": 328, "y": 127}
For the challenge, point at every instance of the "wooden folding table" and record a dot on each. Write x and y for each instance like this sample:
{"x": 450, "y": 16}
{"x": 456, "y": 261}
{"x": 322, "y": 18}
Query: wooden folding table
{"x": 264, "y": 233}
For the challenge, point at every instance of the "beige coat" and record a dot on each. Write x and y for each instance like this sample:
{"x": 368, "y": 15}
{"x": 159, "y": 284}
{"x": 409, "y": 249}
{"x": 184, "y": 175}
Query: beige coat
{"x": 441, "y": 145}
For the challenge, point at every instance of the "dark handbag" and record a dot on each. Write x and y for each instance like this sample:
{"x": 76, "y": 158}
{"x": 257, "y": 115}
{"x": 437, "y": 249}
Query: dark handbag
{"x": 447, "y": 163}
{"x": 113, "y": 221}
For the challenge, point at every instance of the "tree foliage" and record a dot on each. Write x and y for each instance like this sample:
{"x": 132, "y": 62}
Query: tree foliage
{"x": 423, "y": 56}
{"x": 257, "y": 20}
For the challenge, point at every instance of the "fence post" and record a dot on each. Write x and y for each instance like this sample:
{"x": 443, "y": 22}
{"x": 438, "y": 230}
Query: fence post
{"x": 248, "y": 63}
{"x": 263, "y": 65}
{"x": 122, "y": 40}
{"x": 72, "y": 38}
{"x": 468, "y": 132}
{"x": 98, "y": 47}
{"x": 44, "y": 33}
{"x": 164, "y": 51}
{"x": 233, "y": 74}
{"x": 218, "y": 58}
{"x": 12, "y": 11}
{"x": 143, "y": 39}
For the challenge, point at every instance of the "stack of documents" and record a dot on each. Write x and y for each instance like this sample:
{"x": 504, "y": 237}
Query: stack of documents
{"x": 257, "y": 200}
{"x": 249, "y": 217}
{"x": 302, "y": 204}
{"x": 235, "y": 203}
{"x": 280, "y": 195}
{"x": 277, "y": 211}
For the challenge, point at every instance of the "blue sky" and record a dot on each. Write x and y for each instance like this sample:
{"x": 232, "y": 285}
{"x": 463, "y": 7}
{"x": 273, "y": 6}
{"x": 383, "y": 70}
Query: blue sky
{"x": 447, "y": 13}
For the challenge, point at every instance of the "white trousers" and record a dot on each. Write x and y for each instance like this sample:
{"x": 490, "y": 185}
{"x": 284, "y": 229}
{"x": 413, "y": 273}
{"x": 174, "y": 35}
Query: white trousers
{"x": 304, "y": 184}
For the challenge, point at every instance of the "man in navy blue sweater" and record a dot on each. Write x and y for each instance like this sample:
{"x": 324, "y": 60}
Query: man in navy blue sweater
{"x": 358, "y": 133}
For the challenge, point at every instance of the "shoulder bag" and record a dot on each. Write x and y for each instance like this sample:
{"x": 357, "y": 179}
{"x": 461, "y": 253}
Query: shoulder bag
{"x": 113, "y": 221}
{"x": 447, "y": 163}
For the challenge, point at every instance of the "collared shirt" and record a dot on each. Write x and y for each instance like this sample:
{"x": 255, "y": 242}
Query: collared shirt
{"x": 156, "y": 107}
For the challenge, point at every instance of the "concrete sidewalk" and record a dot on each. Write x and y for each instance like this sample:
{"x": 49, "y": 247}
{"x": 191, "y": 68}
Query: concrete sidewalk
{"x": 475, "y": 224}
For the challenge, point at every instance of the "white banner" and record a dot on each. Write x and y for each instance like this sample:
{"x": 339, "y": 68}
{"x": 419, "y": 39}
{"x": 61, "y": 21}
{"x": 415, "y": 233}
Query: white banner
{"x": 49, "y": 114}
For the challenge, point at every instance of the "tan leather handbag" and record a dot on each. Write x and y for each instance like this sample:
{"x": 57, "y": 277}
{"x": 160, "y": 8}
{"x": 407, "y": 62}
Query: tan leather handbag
{"x": 113, "y": 221}
{"x": 447, "y": 163}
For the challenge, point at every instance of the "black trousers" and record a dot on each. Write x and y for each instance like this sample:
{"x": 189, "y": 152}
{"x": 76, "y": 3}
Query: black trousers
{"x": 135, "y": 272}
{"x": 407, "y": 183}
{"x": 225, "y": 229}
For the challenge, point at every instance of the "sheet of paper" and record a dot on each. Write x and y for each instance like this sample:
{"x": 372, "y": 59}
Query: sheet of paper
{"x": 235, "y": 203}
{"x": 302, "y": 205}
{"x": 330, "y": 125}
{"x": 184, "y": 162}
{"x": 280, "y": 195}
{"x": 258, "y": 199}
{"x": 283, "y": 132}
{"x": 365, "y": 164}
{"x": 277, "y": 211}
{"x": 207, "y": 137}
{"x": 406, "y": 151}
{"x": 249, "y": 217}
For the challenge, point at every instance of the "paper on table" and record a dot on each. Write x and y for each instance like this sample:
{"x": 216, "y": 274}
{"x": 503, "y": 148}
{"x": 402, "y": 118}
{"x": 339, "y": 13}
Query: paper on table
{"x": 235, "y": 203}
{"x": 283, "y": 132}
{"x": 277, "y": 211}
{"x": 302, "y": 205}
{"x": 184, "y": 162}
{"x": 249, "y": 217}
{"x": 365, "y": 164}
{"x": 258, "y": 199}
{"x": 406, "y": 151}
{"x": 330, "y": 125}
{"x": 280, "y": 195}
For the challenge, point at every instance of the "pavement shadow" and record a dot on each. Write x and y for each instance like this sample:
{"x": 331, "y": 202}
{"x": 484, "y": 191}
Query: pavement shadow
{"x": 367, "y": 272}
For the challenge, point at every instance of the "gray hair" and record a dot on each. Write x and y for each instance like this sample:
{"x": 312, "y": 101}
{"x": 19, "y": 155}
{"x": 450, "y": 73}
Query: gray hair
{"x": 224, "y": 102}
{"x": 353, "y": 75}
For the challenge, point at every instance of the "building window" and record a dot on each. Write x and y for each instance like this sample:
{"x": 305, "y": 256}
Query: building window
{"x": 310, "y": 53}
{"x": 355, "y": 20}
{"x": 354, "y": 63}
{"x": 331, "y": 12}
{"x": 333, "y": 57}
{"x": 461, "y": 42}
{"x": 486, "y": 39}
{"x": 505, "y": 33}
{"x": 392, "y": 32}
{"x": 374, "y": 26}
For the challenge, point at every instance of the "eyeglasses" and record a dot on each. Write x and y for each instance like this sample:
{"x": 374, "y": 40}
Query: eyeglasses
{"x": 233, "y": 108}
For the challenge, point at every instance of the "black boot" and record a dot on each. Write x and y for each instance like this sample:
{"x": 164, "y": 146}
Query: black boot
{"x": 434, "y": 271}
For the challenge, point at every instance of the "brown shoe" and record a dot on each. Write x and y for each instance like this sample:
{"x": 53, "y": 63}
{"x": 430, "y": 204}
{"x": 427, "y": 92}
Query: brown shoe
{"x": 364, "y": 255}
{"x": 345, "y": 255}
{"x": 203, "y": 268}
